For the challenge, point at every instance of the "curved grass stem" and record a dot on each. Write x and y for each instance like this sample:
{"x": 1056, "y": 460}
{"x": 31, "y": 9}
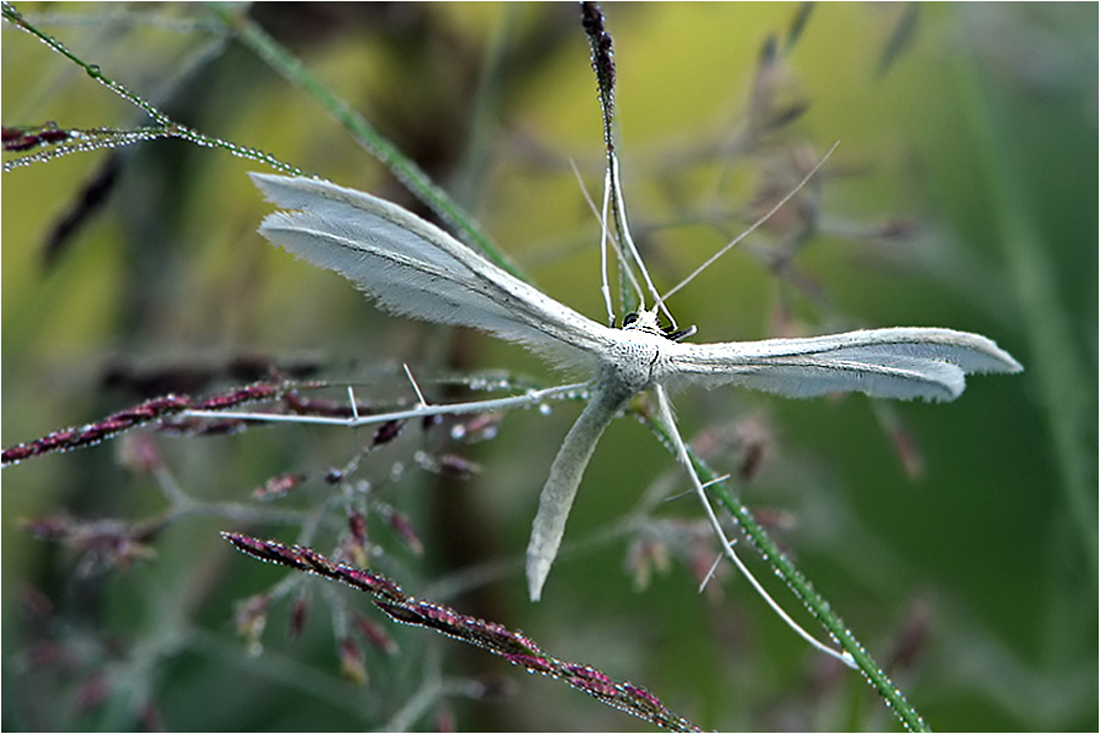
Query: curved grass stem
{"x": 257, "y": 40}
{"x": 795, "y": 581}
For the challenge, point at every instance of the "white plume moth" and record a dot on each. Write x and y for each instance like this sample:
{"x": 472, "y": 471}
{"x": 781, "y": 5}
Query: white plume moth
{"x": 413, "y": 268}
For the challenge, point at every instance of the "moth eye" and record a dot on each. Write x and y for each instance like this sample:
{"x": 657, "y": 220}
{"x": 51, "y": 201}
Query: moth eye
{"x": 629, "y": 319}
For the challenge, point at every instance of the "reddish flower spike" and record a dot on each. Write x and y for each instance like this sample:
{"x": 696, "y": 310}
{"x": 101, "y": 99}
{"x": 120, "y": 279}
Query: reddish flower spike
{"x": 351, "y": 662}
{"x": 278, "y": 486}
{"x": 375, "y": 634}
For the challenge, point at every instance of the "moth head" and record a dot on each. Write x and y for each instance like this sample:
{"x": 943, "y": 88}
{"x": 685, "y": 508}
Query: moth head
{"x": 647, "y": 321}
{"x": 643, "y": 321}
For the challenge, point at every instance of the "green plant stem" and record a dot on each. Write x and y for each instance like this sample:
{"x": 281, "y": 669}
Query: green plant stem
{"x": 801, "y": 587}
{"x": 166, "y": 126}
{"x": 12, "y": 16}
{"x": 257, "y": 40}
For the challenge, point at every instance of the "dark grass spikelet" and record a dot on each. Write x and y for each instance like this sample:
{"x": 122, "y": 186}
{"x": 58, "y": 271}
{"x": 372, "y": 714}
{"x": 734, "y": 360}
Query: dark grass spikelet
{"x": 603, "y": 63}
{"x": 308, "y": 560}
{"x": 375, "y": 634}
{"x": 18, "y": 139}
{"x": 278, "y": 486}
{"x": 388, "y": 431}
{"x": 299, "y": 405}
{"x": 798, "y": 25}
{"x": 238, "y": 396}
{"x": 156, "y": 410}
{"x": 403, "y": 528}
{"x": 900, "y": 40}
{"x": 101, "y": 544}
{"x": 448, "y": 465}
{"x": 91, "y": 434}
{"x": 513, "y": 646}
{"x": 94, "y": 194}
{"x": 299, "y": 612}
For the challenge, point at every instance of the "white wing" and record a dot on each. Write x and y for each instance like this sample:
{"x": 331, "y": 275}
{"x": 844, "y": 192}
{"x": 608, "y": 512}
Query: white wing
{"x": 557, "y": 495}
{"x": 416, "y": 269}
{"x": 883, "y": 363}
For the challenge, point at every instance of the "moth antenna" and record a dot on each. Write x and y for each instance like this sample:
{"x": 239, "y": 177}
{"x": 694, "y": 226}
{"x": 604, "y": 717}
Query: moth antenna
{"x": 605, "y": 240}
{"x": 603, "y": 63}
{"x": 619, "y": 209}
{"x": 755, "y": 225}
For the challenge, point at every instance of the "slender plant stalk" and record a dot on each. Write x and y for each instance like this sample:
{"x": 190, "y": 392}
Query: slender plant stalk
{"x": 166, "y": 127}
{"x": 512, "y": 645}
{"x": 797, "y": 583}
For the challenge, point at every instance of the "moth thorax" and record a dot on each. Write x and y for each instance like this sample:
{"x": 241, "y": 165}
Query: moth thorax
{"x": 634, "y": 358}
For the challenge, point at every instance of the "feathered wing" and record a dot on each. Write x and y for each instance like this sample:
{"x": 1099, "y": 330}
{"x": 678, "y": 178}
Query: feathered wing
{"x": 900, "y": 363}
{"x": 566, "y": 472}
{"x": 413, "y": 268}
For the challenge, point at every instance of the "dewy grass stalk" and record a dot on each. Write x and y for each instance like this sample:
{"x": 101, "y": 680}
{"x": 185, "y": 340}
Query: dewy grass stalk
{"x": 406, "y": 171}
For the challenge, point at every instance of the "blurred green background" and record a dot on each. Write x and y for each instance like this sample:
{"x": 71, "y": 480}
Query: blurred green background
{"x": 963, "y": 194}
